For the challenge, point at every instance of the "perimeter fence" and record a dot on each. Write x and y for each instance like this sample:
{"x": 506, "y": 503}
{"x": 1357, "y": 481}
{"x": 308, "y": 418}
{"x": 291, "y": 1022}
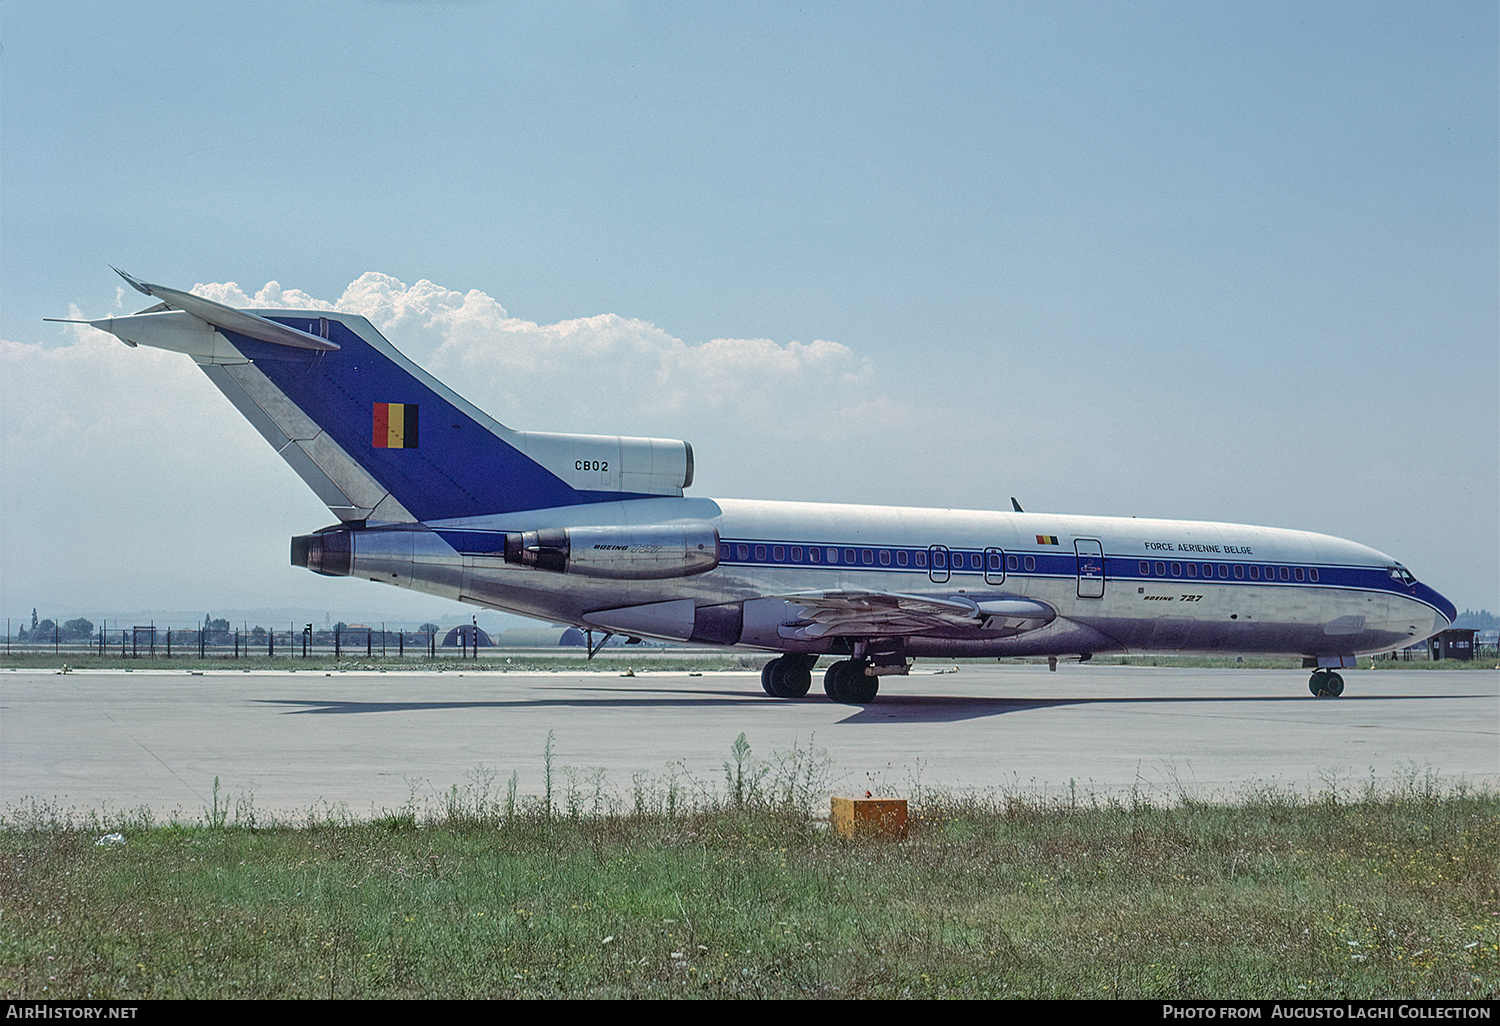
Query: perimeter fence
{"x": 152, "y": 642}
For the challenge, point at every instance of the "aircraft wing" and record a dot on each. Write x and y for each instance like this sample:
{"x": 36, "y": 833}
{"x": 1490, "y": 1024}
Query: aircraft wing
{"x": 883, "y": 614}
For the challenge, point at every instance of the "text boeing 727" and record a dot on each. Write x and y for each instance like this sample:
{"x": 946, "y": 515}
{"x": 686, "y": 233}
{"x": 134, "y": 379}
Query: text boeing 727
{"x": 434, "y": 494}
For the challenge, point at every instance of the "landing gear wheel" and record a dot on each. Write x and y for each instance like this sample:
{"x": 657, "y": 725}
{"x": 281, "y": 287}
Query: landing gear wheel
{"x": 833, "y": 681}
{"x": 1325, "y": 684}
{"x": 847, "y": 683}
{"x": 787, "y": 677}
{"x": 791, "y": 676}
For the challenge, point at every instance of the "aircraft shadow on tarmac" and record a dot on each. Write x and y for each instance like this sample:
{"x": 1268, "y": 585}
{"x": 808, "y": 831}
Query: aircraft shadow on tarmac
{"x": 900, "y": 708}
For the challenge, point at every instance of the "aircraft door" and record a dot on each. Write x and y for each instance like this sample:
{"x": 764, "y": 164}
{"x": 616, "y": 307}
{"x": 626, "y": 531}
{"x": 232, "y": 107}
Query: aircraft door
{"x": 937, "y": 563}
{"x": 1090, "y": 568}
{"x": 994, "y": 566}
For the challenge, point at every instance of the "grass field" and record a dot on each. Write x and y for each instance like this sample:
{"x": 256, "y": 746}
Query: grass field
{"x": 736, "y": 888}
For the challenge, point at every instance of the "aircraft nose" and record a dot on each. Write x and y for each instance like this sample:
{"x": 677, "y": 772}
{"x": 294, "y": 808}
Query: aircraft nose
{"x": 1443, "y": 611}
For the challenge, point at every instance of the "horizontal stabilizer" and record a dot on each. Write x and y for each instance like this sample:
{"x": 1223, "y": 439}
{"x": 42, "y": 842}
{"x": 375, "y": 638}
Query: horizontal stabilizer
{"x": 221, "y": 316}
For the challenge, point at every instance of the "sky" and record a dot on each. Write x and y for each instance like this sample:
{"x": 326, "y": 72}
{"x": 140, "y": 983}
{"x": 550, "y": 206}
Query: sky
{"x": 1220, "y": 262}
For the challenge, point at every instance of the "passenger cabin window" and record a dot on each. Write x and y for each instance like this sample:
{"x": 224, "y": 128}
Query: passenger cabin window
{"x": 1012, "y": 562}
{"x": 1239, "y": 572}
{"x": 796, "y": 553}
{"x": 919, "y": 559}
{"x": 1286, "y": 574}
{"x": 815, "y": 554}
{"x": 867, "y": 556}
{"x": 1192, "y": 569}
{"x": 885, "y": 557}
{"x": 848, "y": 555}
{"x": 742, "y": 551}
{"x": 760, "y": 552}
{"x": 1176, "y": 569}
{"x": 1313, "y": 573}
{"x": 1161, "y": 569}
{"x": 1145, "y": 568}
{"x": 1031, "y": 562}
{"x": 900, "y": 557}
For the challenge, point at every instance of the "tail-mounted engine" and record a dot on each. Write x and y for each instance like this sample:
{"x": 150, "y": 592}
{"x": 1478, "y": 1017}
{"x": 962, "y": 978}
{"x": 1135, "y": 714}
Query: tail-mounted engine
{"x": 648, "y": 553}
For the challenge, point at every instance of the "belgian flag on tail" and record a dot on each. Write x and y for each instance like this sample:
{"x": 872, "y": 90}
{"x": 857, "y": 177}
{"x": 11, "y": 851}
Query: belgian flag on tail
{"x": 395, "y": 426}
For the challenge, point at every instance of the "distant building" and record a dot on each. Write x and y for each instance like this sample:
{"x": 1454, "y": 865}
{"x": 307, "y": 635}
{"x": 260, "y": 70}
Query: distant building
{"x": 466, "y": 635}
{"x": 541, "y": 637}
{"x": 1454, "y": 643}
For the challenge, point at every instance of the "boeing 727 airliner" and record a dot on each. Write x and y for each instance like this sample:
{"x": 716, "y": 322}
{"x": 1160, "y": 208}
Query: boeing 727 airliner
{"x": 433, "y": 494}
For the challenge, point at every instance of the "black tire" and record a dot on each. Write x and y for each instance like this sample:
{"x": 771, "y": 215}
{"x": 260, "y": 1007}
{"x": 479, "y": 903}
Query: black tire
{"x": 846, "y": 683}
{"x": 765, "y": 677}
{"x": 791, "y": 677}
{"x": 859, "y": 688}
{"x": 1325, "y": 683}
{"x": 833, "y": 680}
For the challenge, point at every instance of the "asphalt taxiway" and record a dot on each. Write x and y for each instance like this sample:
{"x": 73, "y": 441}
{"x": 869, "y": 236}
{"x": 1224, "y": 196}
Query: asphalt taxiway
{"x": 371, "y": 741}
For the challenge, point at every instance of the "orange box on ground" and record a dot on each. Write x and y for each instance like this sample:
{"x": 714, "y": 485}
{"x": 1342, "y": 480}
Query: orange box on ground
{"x": 869, "y": 817}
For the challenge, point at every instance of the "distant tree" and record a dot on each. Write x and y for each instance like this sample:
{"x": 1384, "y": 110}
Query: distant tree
{"x": 212, "y": 626}
{"x": 45, "y": 631}
{"x": 33, "y": 617}
{"x": 79, "y": 628}
{"x": 1478, "y": 619}
{"x": 341, "y": 627}
{"x": 258, "y": 633}
{"x": 429, "y": 628}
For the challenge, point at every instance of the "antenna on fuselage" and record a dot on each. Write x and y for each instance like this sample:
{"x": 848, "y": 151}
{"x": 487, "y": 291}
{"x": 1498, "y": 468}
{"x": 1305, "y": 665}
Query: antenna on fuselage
{"x": 1016, "y": 505}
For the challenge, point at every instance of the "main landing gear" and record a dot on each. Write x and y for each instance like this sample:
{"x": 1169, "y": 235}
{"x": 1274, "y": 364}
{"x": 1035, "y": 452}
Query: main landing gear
{"x": 1325, "y": 683}
{"x": 789, "y": 676}
{"x": 848, "y": 681}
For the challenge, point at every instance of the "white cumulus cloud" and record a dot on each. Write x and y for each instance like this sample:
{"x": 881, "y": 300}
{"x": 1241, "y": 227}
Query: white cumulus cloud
{"x": 604, "y": 373}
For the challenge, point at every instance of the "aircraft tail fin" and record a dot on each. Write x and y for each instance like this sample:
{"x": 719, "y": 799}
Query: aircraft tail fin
{"x": 375, "y": 436}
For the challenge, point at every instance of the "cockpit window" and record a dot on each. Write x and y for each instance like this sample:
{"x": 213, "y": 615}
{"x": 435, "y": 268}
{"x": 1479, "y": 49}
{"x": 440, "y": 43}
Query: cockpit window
{"x": 1401, "y": 574}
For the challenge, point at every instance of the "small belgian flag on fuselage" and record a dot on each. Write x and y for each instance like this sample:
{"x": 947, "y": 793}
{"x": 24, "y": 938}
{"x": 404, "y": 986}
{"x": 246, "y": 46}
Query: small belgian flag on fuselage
{"x": 395, "y": 426}
{"x": 1046, "y": 539}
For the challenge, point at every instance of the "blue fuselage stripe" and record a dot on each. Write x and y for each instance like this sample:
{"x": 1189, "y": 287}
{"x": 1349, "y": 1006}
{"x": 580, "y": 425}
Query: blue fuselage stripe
{"x": 970, "y": 562}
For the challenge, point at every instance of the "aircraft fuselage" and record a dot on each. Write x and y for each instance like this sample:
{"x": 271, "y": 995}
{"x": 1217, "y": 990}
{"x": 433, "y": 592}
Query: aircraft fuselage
{"x": 1159, "y": 585}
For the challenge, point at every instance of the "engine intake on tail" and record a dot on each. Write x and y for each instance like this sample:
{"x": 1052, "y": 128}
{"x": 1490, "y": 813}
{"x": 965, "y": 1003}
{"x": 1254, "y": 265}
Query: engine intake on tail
{"x": 649, "y": 553}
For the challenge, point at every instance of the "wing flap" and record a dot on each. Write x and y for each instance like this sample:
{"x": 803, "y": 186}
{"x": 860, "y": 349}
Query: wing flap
{"x": 885, "y": 614}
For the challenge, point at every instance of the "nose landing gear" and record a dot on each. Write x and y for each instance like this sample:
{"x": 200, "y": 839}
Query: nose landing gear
{"x": 1325, "y": 683}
